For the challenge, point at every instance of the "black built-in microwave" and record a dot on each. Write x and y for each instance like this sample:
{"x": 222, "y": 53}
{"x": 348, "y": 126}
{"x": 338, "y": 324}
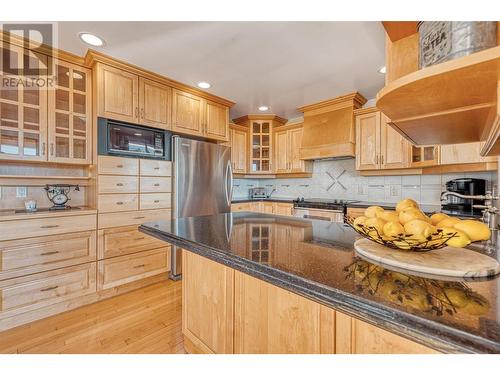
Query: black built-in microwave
{"x": 123, "y": 139}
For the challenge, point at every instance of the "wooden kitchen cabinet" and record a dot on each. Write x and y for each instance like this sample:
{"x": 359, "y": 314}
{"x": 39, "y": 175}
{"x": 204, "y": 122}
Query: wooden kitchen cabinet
{"x": 23, "y": 111}
{"x": 463, "y": 153}
{"x": 287, "y": 144}
{"x": 238, "y": 136}
{"x": 154, "y": 104}
{"x": 285, "y": 209}
{"x": 354, "y": 336}
{"x": 207, "y": 305}
{"x": 216, "y": 121}
{"x": 424, "y": 156}
{"x": 268, "y": 319}
{"x": 187, "y": 113}
{"x": 117, "y": 94}
{"x": 378, "y": 145}
{"x": 70, "y": 115}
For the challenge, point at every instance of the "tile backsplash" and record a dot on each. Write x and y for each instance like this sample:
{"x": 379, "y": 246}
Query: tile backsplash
{"x": 338, "y": 179}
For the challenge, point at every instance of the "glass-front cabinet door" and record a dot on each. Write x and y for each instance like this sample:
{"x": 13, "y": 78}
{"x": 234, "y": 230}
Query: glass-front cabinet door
{"x": 69, "y": 127}
{"x": 23, "y": 105}
{"x": 422, "y": 156}
{"x": 260, "y": 147}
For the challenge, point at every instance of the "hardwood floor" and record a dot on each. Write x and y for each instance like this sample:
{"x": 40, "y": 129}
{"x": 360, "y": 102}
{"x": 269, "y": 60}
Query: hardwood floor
{"x": 147, "y": 320}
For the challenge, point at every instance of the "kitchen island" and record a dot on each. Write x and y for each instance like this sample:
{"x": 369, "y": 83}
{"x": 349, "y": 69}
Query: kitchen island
{"x": 258, "y": 283}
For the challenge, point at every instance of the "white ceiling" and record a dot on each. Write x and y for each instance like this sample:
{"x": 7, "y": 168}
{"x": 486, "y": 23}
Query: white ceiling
{"x": 280, "y": 64}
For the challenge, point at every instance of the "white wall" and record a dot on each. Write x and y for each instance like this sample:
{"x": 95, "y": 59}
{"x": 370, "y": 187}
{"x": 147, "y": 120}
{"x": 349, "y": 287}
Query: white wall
{"x": 338, "y": 179}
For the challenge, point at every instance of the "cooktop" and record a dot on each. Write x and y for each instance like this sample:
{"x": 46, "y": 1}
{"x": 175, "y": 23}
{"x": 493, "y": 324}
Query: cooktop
{"x": 327, "y": 204}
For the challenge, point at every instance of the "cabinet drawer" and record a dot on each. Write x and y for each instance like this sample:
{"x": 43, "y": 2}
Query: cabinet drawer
{"x": 156, "y": 184}
{"x": 126, "y": 240}
{"x": 27, "y": 293}
{"x": 27, "y": 256}
{"x": 118, "y": 184}
{"x": 118, "y": 202}
{"x": 235, "y": 207}
{"x": 17, "y": 229}
{"x": 118, "y": 166}
{"x": 160, "y": 168}
{"x": 155, "y": 200}
{"x": 129, "y": 268}
{"x": 110, "y": 220}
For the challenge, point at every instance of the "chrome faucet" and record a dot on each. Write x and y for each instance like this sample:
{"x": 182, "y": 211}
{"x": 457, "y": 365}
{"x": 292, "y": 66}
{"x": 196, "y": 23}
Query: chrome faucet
{"x": 490, "y": 212}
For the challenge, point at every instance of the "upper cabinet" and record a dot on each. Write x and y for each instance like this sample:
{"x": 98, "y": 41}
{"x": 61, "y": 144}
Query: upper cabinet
{"x": 154, "y": 103}
{"x": 464, "y": 153}
{"x": 378, "y": 145}
{"x": 452, "y": 102}
{"x": 23, "y": 111}
{"x": 287, "y": 144}
{"x": 129, "y": 94}
{"x": 51, "y": 123}
{"x": 117, "y": 94}
{"x": 70, "y": 120}
{"x": 238, "y": 137}
{"x": 424, "y": 156}
{"x": 187, "y": 113}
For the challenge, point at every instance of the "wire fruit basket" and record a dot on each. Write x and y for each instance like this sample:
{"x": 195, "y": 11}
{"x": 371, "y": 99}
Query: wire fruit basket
{"x": 407, "y": 242}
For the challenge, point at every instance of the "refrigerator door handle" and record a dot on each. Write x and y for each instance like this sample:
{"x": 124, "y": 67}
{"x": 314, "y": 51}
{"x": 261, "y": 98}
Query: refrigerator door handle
{"x": 229, "y": 183}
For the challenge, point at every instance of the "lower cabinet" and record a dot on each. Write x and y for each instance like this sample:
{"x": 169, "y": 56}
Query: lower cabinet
{"x": 226, "y": 311}
{"x": 276, "y": 208}
{"x": 268, "y": 319}
{"x": 207, "y": 305}
{"x": 125, "y": 269}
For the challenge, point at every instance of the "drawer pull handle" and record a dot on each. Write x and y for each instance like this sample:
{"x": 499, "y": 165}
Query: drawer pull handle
{"x": 157, "y": 201}
{"x": 119, "y": 166}
{"x": 139, "y": 238}
{"x": 139, "y": 266}
{"x": 139, "y": 217}
{"x": 157, "y": 168}
{"x": 156, "y": 184}
{"x": 50, "y": 253}
{"x": 119, "y": 203}
{"x": 48, "y": 226}
{"x": 49, "y": 288}
{"x": 119, "y": 184}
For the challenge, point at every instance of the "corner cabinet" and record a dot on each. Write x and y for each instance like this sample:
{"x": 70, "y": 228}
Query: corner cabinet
{"x": 378, "y": 145}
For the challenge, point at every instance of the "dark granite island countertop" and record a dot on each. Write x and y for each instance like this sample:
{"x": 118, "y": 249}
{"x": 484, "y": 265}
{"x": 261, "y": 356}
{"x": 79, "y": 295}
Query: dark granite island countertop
{"x": 316, "y": 259}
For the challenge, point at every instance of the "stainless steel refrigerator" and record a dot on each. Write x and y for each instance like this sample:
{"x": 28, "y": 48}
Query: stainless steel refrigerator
{"x": 202, "y": 184}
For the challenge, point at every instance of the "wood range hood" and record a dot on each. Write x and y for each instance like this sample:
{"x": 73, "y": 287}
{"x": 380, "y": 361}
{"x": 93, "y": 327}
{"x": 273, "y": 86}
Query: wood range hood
{"x": 329, "y": 128}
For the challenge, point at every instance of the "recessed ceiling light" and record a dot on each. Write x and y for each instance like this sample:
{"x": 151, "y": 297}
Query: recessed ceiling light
{"x": 204, "y": 85}
{"x": 263, "y": 108}
{"x": 382, "y": 70}
{"x": 91, "y": 39}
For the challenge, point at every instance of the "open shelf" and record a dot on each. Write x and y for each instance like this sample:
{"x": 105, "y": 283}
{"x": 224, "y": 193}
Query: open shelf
{"x": 32, "y": 180}
{"x": 451, "y": 102}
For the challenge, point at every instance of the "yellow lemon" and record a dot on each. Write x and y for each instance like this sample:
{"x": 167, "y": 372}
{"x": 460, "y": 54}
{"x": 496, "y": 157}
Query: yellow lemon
{"x": 477, "y": 307}
{"x": 475, "y": 230}
{"x": 446, "y": 223}
{"x": 437, "y": 217}
{"x": 376, "y": 223}
{"x": 406, "y": 203}
{"x": 393, "y": 229}
{"x": 456, "y": 296}
{"x": 359, "y": 221}
{"x": 460, "y": 239}
{"x": 372, "y": 211}
{"x": 388, "y": 216}
{"x": 411, "y": 214}
{"x": 417, "y": 226}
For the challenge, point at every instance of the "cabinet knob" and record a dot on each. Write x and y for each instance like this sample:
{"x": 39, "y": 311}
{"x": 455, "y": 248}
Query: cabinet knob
{"x": 119, "y": 203}
{"x": 51, "y": 149}
{"x": 119, "y": 184}
{"x": 156, "y": 184}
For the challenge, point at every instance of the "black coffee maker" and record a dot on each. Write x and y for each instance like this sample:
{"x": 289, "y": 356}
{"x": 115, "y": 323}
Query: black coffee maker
{"x": 463, "y": 206}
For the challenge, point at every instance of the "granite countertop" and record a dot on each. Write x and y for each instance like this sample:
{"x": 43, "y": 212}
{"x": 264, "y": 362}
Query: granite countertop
{"x": 277, "y": 199}
{"x": 316, "y": 259}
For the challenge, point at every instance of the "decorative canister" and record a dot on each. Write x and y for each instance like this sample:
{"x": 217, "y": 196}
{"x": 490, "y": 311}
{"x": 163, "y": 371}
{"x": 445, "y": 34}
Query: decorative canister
{"x": 443, "y": 40}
